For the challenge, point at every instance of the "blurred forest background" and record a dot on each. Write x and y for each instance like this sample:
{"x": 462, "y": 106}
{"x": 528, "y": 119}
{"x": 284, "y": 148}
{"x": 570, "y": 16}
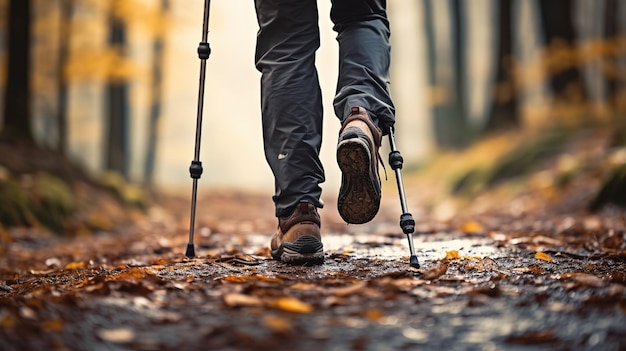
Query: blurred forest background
{"x": 102, "y": 95}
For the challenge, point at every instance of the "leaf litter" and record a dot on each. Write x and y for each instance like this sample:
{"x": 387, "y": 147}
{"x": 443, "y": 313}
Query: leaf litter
{"x": 478, "y": 284}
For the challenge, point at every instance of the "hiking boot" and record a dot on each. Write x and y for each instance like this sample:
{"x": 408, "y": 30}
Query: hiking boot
{"x": 357, "y": 156}
{"x": 298, "y": 239}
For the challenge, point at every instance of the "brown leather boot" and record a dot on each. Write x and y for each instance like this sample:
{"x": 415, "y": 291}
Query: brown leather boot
{"x": 357, "y": 156}
{"x": 298, "y": 239}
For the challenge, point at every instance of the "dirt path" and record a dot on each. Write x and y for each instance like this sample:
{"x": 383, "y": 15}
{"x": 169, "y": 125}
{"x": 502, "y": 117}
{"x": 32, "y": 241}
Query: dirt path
{"x": 489, "y": 280}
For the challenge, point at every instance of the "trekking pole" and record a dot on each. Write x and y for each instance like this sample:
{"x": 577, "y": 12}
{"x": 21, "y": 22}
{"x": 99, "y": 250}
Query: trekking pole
{"x": 407, "y": 223}
{"x": 195, "y": 170}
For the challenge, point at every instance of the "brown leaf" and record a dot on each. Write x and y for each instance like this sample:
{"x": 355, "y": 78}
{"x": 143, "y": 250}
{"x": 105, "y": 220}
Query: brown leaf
{"x": 543, "y": 256}
{"x": 241, "y": 300}
{"x": 53, "y": 325}
{"x": 373, "y": 314}
{"x": 74, "y": 265}
{"x": 291, "y": 304}
{"x": 120, "y": 335}
{"x": 234, "y": 279}
{"x": 278, "y": 325}
{"x": 436, "y": 271}
{"x": 134, "y": 273}
{"x": 533, "y": 338}
{"x": 617, "y": 277}
{"x": 349, "y": 290}
{"x": 584, "y": 279}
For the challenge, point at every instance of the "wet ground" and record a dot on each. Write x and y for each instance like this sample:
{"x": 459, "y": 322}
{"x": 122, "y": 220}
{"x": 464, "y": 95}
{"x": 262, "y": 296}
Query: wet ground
{"x": 494, "y": 279}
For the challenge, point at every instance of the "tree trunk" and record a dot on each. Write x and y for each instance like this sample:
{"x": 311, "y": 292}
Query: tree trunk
{"x": 117, "y": 148}
{"x": 17, "y": 110}
{"x": 504, "y": 113}
{"x": 557, "y": 16}
{"x": 155, "y": 105}
{"x": 445, "y": 76}
{"x": 65, "y": 29}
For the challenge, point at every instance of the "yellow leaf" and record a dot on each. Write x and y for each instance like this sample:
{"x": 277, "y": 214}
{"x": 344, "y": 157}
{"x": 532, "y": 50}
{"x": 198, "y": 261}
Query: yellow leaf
{"x": 374, "y": 314}
{"x": 265, "y": 278}
{"x": 471, "y": 227}
{"x": 278, "y": 325}
{"x": 8, "y": 321}
{"x": 75, "y": 265}
{"x": 53, "y": 325}
{"x": 291, "y": 304}
{"x": 543, "y": 256}
{"x": 453, "y": 255}
{"x": 234, "y": 279}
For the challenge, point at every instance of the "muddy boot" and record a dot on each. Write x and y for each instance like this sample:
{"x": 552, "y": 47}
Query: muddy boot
{"x": 357, "y": 156}
{"x": 298, "y": 239}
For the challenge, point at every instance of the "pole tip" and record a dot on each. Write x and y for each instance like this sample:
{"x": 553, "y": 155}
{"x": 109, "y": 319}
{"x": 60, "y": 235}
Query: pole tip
{"x": 191, "y": 251}
{"x": 414, "y": 262}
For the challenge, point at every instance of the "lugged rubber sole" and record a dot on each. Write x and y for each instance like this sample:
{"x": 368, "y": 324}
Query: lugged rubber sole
{"x": 305, "y": 250}
{"x": 358, "y": 200}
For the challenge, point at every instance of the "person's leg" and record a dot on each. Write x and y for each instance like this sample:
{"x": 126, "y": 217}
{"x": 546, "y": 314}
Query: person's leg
{"x": 362, "y": 103}
{"x": 287, "y": 40}
{"x": 364, "y": 57}
{"x": 291, "y": 109}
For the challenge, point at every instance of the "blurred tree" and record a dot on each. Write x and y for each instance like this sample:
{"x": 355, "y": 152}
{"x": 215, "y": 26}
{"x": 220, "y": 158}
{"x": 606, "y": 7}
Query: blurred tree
{"x": 117, "y": 152}
{"x": 614, "y": 87}
{"x": 445, "y": 73}
{"x": 65, "y": 34}
{"x": 17, "y": 108}
{"x": 504, "y": 112}
{"x": 565, "y": 77}
{"x": 156, "y": 92}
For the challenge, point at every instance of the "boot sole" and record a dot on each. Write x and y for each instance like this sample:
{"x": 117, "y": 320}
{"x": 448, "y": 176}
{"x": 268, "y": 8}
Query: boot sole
{"x": 305, "y": 250}
{"x": 358, "y": 200}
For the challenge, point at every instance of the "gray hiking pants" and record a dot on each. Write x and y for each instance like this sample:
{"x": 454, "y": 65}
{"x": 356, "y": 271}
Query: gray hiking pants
{"x": 291, "y": 105}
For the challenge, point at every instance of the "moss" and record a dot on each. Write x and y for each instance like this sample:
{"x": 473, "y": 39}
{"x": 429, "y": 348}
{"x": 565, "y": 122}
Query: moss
{"x": 612, "y": 191}
{"x": 519, "y": 161}
{"x": 130, "y": 194}
{"x": 51, "y": 200}
{"x": 13, "y": 203}
{"x": 526, "y": 157}
{"x": 35, "y": 199}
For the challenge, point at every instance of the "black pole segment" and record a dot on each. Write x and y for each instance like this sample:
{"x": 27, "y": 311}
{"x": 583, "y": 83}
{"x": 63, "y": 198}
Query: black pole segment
{"x": 407, "y": 223}
{"x": 195, "y": 169}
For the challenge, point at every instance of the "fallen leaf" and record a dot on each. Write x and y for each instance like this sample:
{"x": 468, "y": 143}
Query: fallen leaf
{"x": 278, "y": 324}
{"x": 120, "y": 335}
{"x": 53, "y": 325}
{"x": 234, "y": 279}
{"x": 133, "y": 273}
{"x": 533, "y": 338}
{"x": 374, "y": 314}
{"x": 471, "y": 227}
{"x": 543, "y": 256}
{"x": 74, "y": 265}
{"x": 436, "y": 271}
{"x": 268, "y": 279}
{"x": 291, "y": 304}
{"x": 452, "y": 255}
{"x": 242, "y": 300}
{"x": 617, "y": 277}
{"x": 304, "y": 286}
{"x": 584, "y": 279}
{"x": 7, "y": 320}
{"x": 349, "y": 290}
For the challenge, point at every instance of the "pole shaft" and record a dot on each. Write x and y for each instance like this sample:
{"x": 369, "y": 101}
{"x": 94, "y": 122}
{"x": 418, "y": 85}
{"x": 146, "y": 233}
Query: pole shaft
{"x": 194, "y": 189}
